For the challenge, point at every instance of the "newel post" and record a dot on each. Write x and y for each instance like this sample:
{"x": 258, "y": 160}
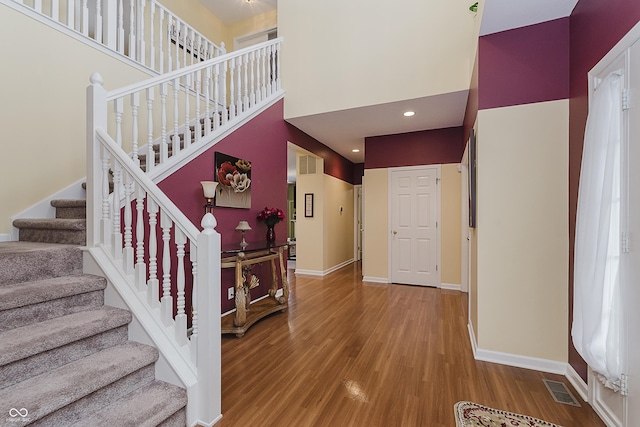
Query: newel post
{"x": 96, "y": 119}
{"x": 208, "y": 407}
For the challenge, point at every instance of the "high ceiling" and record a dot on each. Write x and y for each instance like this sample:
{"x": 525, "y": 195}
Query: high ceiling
{"x": 345, "y": 130}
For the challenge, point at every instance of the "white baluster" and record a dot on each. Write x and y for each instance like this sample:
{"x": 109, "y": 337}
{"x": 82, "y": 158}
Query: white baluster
{"x": 181, "y": 317}
{"x": 193, "y": 255}
{"x": 132, "y": 31}
{"x": 185, "y": 40}
{"x": 187, "y": 102}
{"x": 120, "y": 27}
{"x": 55, "y": 10}
{"x": 252, "y": 90}
{"x": 98, "y": 30}
{"x": 161, "y": 33}
{"x": 116, "y": 239}
{"x": 166, "y": 302}
{"x": 232, "y": 107}
{"x": 270, "y": 65}
{"x": 239, "y": 87}
{"x": 105, "y": 226}
{"x": 263, "y": 55}
{"x": 135, "y": 104}
{"x": 176, "y": 137}
{"x": 118, "y": 106}
{"x": 37, "y": 6}
{"x": 216, "y": 96}
{"x": 151, "y": 155}
{"x": 192, "y": 42}
{"x": 259, "y": 76}
{"x": 153, "y": 283}
{"x": 85, "y": 18}
{"x": 140, "y": 33}
{"x": 141, "y": 268}
{"x": 71, "y": 14}
{"x": 245, "y": 82}
{"x": 152, "y": 42}
{"x": 277, "y": 65}
{"x": 207, "y": 100}
{"x": 170, "y": 32}
{"x": 110, "y": 19}
{"x": 198, "y": 128}
{"x": 223, "y": 100}
{"x": 177, "y": 28}
{"x": 127, "y": 252}
{"x": 164, "y": 145}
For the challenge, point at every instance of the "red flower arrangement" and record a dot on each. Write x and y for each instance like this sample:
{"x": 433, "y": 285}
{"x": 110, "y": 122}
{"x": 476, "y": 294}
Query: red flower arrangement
{"x": 271, "y": 216}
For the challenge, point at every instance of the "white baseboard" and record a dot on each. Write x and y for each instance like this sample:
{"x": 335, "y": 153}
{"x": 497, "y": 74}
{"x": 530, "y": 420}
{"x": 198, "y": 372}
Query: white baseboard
{"x": 375, "y": 279}
{"x": 537, "y": 364}
{"x": 450, "y": 286}
{"x": 6, "y": 237}
{"x": 577, "y": 382}
{"x": 318, "y": 273}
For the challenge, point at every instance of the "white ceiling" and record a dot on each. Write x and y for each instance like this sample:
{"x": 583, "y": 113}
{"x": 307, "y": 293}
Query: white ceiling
{"x": 345, "y": 130}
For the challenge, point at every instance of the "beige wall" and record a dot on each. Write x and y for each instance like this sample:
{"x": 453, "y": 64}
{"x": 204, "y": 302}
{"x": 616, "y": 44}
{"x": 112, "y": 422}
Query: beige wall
{"x": 199, "y": 17}
{"x": 310, "y": 231}
{"x": 45, "y": 78}
{"x": 375, "y": 218}
{"x": 329, "y": 47}
{"x": 252, "y": 25}
{"x": 451, "y": 218}
{"x": 338, "y": 224}
{"x": 522, "y": 234}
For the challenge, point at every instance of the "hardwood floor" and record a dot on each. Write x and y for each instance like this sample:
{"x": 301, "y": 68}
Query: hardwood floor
{"x": 348, "y": 353}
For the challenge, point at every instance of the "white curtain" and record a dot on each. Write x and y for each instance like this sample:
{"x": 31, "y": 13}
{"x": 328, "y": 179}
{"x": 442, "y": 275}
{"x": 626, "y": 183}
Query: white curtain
{"x": 597, "y": 317}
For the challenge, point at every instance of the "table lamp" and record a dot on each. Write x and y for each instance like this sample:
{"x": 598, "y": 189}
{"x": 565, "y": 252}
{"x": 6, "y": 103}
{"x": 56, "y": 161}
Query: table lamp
{"x": 243, "y": 226}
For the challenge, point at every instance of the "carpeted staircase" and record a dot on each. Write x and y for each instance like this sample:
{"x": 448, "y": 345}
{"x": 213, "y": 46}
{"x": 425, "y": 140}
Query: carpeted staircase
{"x": 65, "y": 359}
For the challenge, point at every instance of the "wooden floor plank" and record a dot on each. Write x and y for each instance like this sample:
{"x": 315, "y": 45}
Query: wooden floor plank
{"x": 348, "y": 353}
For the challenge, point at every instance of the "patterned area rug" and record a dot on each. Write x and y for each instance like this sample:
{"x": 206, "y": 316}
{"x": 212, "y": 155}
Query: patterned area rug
{"x": 469, "y": 414}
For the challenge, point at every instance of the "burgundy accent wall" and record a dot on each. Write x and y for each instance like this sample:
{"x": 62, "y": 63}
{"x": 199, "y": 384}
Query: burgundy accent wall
{"x": 596, "y": 27}
{"x": 263, "y": 141}
{"x": 524, "y": 65}
{"x": 334, "y": 164}
{"x": 429, "y": 147}
{"x": 471, "y": 112}
{"x": 358, "y": 173}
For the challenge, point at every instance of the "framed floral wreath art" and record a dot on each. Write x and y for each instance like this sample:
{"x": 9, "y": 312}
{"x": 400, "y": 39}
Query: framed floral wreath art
{"x": 234, "y": 181}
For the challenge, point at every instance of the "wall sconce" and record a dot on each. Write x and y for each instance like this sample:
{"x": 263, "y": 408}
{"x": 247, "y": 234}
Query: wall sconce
{"x": 243, "y": 226}
{"x": 209, "y": 189}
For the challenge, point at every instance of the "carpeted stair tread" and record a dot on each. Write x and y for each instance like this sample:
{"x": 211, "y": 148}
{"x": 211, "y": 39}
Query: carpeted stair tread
{"x": 28, "y": 261}
{"x": 69, "y": 203}
{"x": 51, "y": 223}
{"x": 146, "y": 407}
{"x": 34, "y": 292}
{"x": 82, "y": 386}
{"x": 26, "y": 341}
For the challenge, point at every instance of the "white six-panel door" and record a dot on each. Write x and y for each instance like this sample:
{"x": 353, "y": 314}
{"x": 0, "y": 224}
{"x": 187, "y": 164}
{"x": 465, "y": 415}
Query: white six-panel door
{"x": 414, "y": 207}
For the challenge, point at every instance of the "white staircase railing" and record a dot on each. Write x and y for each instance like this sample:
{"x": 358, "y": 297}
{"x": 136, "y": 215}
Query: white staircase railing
{"x": 146, "y": 246}
{"x": 142, "y": 30}
{"x": 166, "y": 118}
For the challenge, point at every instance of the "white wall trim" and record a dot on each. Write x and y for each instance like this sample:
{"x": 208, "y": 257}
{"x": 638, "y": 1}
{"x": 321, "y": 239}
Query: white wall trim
{"x": 577, "y": 382}
{"x": 319, "y": 273}
{"x": 472, "y": 338}
{"x": 544, "y": 365}
{"x": 606, "y": 414}
{"x": 451, "y": 286}
{"x": 375, "y": 279}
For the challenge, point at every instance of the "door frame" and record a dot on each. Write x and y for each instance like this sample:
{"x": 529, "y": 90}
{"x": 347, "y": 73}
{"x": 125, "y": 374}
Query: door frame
{"x": 438, "y": 169}
{"x": 358, "y": 216}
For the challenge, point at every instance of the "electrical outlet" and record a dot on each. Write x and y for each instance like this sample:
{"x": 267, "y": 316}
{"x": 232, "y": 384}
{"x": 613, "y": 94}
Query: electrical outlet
{"x": 230, "y": 293}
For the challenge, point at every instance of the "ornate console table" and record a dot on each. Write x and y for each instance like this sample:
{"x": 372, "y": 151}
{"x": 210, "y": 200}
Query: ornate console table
{"x": 242, "y": 260}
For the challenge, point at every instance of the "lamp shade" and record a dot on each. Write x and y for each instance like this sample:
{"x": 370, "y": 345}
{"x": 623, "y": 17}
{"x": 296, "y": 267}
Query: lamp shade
{"x": 243, "y": 226}
{"x": 209, "y": 188}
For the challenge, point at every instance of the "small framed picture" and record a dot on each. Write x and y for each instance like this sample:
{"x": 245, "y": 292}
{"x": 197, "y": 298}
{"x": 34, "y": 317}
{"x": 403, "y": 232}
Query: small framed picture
{"x": 308, "y": 205}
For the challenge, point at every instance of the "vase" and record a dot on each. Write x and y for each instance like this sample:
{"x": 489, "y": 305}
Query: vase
{"x": 271, "y": 234}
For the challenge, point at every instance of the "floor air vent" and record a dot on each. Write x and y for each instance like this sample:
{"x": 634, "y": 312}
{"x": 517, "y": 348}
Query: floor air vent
{"x": 560, "y": 392}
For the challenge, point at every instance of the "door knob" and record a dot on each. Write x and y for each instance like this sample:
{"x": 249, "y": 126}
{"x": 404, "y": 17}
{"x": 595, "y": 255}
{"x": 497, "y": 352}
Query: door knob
{"x": 395, "y": 231}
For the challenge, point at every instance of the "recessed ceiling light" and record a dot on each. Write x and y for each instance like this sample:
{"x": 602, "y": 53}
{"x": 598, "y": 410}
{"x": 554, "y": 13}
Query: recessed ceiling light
{"x": 355, "y": 150}
{"x": 409, "y": 113}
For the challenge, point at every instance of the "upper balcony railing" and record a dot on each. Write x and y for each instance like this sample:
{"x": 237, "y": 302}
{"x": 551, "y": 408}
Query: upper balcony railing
{"x": 143, "y": 30}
